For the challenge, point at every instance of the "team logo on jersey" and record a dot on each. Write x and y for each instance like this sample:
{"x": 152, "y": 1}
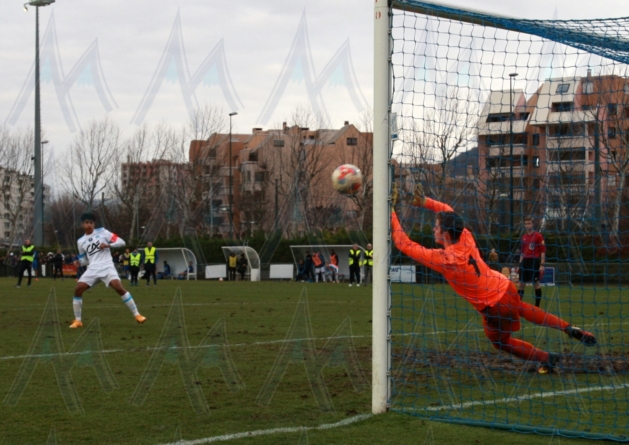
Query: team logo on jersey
{"x": 92, "y": 248}
{"x": 532, "y": 246}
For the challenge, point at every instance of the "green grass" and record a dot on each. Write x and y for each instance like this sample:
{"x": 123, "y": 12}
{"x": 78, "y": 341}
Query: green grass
{"x": 257, "y": 317}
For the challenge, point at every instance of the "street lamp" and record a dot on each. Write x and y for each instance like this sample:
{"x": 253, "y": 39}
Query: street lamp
{"x": 511, "y": 79}
{"x": 38, "y": 214}
{"x": 231, "y": 214}
{"x": 41, "y": 179}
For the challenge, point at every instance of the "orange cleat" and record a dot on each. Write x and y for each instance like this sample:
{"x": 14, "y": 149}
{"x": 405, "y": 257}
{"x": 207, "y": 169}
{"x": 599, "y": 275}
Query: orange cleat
{"x": 140, "y": 318}
{"x": 76, "y": 324}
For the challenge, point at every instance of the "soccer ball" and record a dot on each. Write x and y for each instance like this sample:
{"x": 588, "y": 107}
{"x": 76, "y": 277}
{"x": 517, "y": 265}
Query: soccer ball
{"x": 220, "y": 279}
{"x": 347, "y": 179}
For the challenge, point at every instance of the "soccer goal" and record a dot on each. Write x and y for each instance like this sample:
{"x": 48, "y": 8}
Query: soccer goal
{"x": 521, "y": 127}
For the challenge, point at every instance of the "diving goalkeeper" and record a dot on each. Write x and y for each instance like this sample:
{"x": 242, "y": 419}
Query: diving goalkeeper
{"x": 492, "y": 294}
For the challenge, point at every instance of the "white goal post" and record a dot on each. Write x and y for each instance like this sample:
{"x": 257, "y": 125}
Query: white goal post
{"x": 382, "y": 149}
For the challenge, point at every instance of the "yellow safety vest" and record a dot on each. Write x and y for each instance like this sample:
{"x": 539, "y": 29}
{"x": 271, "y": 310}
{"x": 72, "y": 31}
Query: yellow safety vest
{"x": 368, "y": 258}
{"x": 233, "y": 261}
{"x": 135, "y": 259}
{"x": 353, "y": 253}
{"x": 149, "y": 255}
{"x": 27, "y": 253}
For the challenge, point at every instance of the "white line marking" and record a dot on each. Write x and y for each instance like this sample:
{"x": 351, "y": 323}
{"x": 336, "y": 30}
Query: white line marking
{"x": 539, "y": 395}
{"x": 286, "y": 430}
{"x": 244, "y": 345}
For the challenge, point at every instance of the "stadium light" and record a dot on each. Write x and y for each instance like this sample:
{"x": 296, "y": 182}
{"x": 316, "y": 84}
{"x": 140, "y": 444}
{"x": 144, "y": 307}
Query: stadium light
{"x": 231, "y": 204}
{"x": 511, "y": 79}
{"x": 38, "y": 207}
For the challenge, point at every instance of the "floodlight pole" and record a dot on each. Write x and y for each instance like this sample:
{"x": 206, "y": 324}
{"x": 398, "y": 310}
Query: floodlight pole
{"x": 38, "y": 198}
{"x": 231, "y": 198}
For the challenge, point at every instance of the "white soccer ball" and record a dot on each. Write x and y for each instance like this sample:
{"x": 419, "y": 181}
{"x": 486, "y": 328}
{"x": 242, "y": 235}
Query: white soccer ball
{"x": 347, "y": 179}
{"x": 220, "y": 279}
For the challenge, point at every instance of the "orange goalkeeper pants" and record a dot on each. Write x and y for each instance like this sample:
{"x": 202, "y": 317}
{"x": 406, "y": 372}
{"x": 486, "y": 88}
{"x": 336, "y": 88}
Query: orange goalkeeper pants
{"x": 502, "y": 319}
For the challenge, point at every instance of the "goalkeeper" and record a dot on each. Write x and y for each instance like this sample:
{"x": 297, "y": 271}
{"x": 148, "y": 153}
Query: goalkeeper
{"x": 493, "y": 295}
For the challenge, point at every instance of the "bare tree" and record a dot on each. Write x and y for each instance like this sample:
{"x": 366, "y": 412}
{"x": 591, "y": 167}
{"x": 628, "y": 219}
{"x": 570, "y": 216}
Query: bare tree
{"x": 93, "y": 160}
{"x": 16, "y": 174}
{"x": 444, "y": 132}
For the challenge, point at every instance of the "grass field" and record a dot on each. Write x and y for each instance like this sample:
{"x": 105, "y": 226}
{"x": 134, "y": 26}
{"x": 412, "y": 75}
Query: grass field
{"x": 212, "y": 360}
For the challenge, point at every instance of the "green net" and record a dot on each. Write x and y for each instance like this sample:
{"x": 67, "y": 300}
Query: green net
{"x": 502, "y": 119}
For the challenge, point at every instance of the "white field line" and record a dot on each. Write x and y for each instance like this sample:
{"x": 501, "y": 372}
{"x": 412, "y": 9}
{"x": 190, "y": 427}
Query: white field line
{"x": 236, "y": 345}
{"x": 222, "y": 303}
{"x": 285, "y": 430}
{"x": 539, "y": 395}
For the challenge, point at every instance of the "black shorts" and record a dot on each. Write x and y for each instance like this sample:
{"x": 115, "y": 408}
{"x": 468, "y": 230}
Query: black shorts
{"x": 529, "y": 270}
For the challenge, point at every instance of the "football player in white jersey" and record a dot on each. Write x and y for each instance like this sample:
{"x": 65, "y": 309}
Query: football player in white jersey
{"x": 95, "y": 254}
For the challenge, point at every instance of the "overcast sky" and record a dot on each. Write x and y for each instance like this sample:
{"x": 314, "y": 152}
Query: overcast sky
{"x": 136, "y": 60}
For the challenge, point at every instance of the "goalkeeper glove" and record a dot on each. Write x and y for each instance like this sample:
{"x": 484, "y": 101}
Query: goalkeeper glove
{"x": 419, "y": 198}
{"x": 394, "y": 195}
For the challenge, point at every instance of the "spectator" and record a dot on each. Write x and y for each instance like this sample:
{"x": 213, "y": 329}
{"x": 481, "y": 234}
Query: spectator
{"x": 319, "y": 266}
{"x": 309, "y": 266}
{"x": 493, "y": 260}
{"x": 167, "y": 272}
{"x": 301, "y": 271}
{"x": 242, "y": 266}
{"x": 185, "y": 273}
{"x": 332, "y": 272}
{"x": 124, "y": 259}
{"x": 231, "y": 266}
{"x": 57, "y": 265}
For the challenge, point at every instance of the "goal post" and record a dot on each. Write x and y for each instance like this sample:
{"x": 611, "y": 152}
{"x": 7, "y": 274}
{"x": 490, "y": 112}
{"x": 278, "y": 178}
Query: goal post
{"x": 504, "y": 118}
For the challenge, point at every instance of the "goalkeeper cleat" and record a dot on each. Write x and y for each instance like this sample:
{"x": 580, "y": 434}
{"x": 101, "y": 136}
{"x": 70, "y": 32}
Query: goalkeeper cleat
{"x": 579, "y": 334}
{"x": 76, "y": 324}
{"x": 549, "y": 367}
{"x": 140, "y": 318}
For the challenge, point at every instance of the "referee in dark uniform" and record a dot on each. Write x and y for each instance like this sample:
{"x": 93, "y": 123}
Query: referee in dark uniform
{"x": 532, "y": 260}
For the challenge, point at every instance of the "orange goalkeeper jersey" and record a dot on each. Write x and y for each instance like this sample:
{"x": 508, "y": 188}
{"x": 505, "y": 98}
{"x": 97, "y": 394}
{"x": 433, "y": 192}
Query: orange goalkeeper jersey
{"x": 460, "y": 264}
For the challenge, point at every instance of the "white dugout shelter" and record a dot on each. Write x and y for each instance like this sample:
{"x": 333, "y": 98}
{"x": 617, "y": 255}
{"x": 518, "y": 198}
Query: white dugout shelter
{"x": 342, "y": 250}
{"x": 253, "y": 259}
{"x": 178, "y": 259}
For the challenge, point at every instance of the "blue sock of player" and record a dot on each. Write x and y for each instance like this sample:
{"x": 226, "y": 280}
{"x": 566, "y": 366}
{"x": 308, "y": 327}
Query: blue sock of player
{"x": 128, "y": 300}
{"x": 77, "y": 305}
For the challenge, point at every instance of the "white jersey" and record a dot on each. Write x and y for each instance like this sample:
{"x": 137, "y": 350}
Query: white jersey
{"x": 90, "y": 251}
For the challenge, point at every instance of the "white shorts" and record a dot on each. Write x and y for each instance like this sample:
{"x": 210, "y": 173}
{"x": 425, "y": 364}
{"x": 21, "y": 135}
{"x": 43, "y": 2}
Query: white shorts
{"x": 96, "y": 273}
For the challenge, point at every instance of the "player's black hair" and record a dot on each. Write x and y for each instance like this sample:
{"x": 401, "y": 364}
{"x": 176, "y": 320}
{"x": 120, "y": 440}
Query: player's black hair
{"x": 88, "y": 216}
{"x": 452, "y": 223}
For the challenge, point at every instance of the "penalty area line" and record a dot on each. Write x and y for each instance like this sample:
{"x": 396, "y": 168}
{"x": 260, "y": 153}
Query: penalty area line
{"x": 523, "y": 398}
{"x": 283, "y": 430}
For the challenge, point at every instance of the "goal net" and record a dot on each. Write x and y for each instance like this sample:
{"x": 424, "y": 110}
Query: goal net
{"x": 503, "y": 119}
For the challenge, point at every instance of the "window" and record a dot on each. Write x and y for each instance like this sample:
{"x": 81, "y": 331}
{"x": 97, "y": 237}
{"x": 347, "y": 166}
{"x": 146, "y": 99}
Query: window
{"x": 248, "y": 176}
{"x": 563, "y": 88}
{"x": 626, "y": 88}
{"x": 611, "y": 109}
{"x": 536, "y": 162}
{"x": 502, "y": 117}
{"x": 586, "y": 107}
{"x": 212, "y": 153}
{"x": 352, "y": 141}
{"x": 535, "y": 139}
{"x": 259, "y": 177}
{"x": 611, "y": 133}
{"x": 611, "y": 181}
{"x": 567, "y": 154}
{"x": 7, "y": 234}
{"x": 566, "y": 130}
{"x": 278, "y": 143}
{"x": 562, "y": 106}
{"x": 505, "y": 139}
{"x": 7, "y": 216}
{"x": 7, "y": 225}
{"x": 588, "y": 87}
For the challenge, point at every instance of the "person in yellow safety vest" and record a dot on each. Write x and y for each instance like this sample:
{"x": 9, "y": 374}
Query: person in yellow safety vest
{"x": 368, "y": 265}
{"x": 134, "y": 266}
{"x": 231, "y": 267}
{"x": 150, "y": 259}
{"x": 26, "y": 262}
{"x": 355, "y": 261}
